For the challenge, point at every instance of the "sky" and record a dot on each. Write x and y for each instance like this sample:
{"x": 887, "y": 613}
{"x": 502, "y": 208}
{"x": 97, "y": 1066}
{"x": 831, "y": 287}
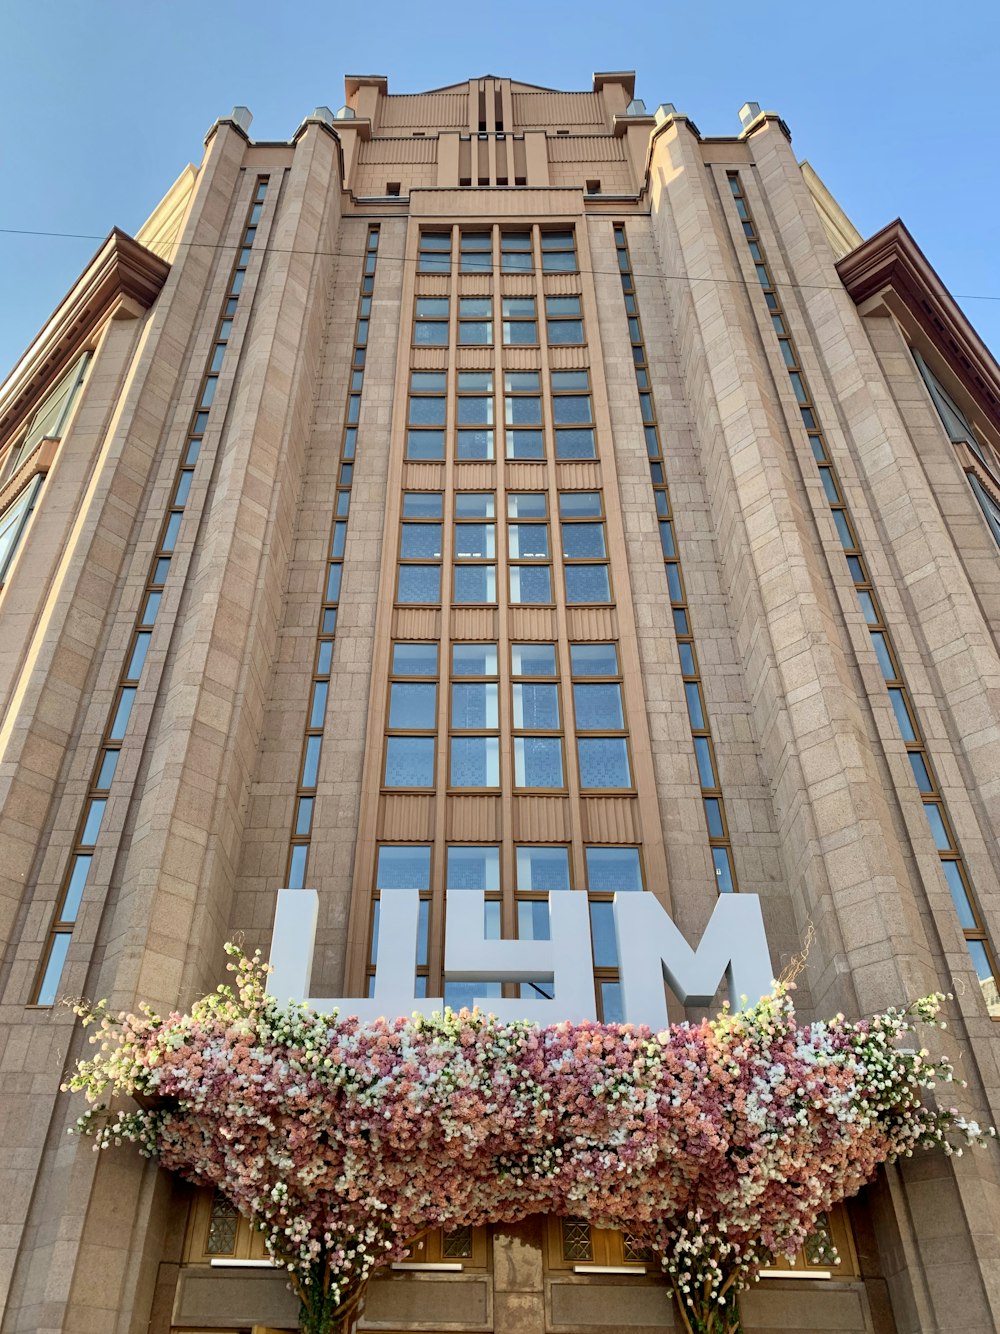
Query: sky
{"x": 102, "y": 104}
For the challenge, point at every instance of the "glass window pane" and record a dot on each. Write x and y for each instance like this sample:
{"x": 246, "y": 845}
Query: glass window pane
{"x": 602, "y": 929}
{"x": 696, "y": 711}
{"x": 587, "y": 583}
{"x": 537, "y": 706}
{"x": 419, "y": 583}
{"x": 575, "y": 443}
{"x": 722, "y": 861}
{"x": 420, "y": 541}
{"x": 475, "y": 411}
{"x": 538, "y": 761}
{"x": 409, "y": 761}
{"x": 473, "y": 867}
{"x": 297, "y": 865}
{"x": 533, "y": 659}
{"x": 920, "y": 771}
{"x": 525, "y": 445}
{"x": 611, "y": 870}
{"x": 139, "y": 650}
{"x": 310, "y": 761}
{"x": 603, "y": 762}
{"x": 92, "y": 822}
{"x": 984, "y": 971}
{"x": 526, "y": 505}
{"x": 427, "y": 411}
{"x": 424, "y": 445}
{"x": 475, "y": 540}
{"x": 121, "y": 716}
{"x": 475, "y": 584}
{"x": 571, "y": 409}
{"x": 525, "y": 411}
{"x": 533, "y": 920}
{"x": 474, "y": 659}
{"x": 51, "y": 977}
{"x": 406, "y": 866}
{"x": 106, "y": 773}
{"x": 594, "y": 659}
{"x": 420, "y": 505}
{"x": 475, "y": 761}
{"x": 74, "y": 890}
{"x": 960, "y": 895}
{"x": 530, "y": 585}
{"x": 566, "y": 333}
{"x": 881, "y": 647}
{"x": 460, "y": 995}
{"x": 474, "y": 504}
{"x": 412, "y": 706}
{"x": 475, "y": 445}
{"x": 474, "y": 705}
{"x": 583, "y": 541}
{"x": 528, "y": 541}
{"x": 580, "y": 504}
{"x": 598, "y": 707}
{"x": 703, "y": 759}
{"x": 540, "y": 868}
{"x": 414, "y": 660}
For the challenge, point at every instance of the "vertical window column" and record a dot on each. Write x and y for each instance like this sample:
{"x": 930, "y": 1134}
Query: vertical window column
{"x": 75, "y": 876}
{"x": 584, "y": 547}
{"x": 523, "y": 415}
{"x": 419, "y": 576}
{"x": 537, "y": 718}
{"x": 701, "y": 733}
{"x": 474, "y": 433}
{"x": 573, "y": 415}
{"x": 319, "y": 693}
{"x": 953, "y": 865}
{"x": 475, "y": 548}
{"x": 474, "y": 716}
{"x": 601, "y": 733}
{"x": 403, "y": 866}
{"x": 529, "y": 558}
{"x": 475, "y": 866}
{"x": 412, "y": 719}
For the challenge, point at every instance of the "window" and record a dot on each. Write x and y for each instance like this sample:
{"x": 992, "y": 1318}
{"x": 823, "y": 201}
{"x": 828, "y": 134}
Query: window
{"x": 610, "y": 870}
{"x": 475, "y": 866}
{"x": 523, "y": 415}
{"x": 403, "y": 866}
{"x": 538, "y": 870}
{"x": 435, "y": 252}
{"x": 392, "y": 188}
{"x": 563, "y": 320}
{"x": 536, "y": 717}
{"x": 419, "y": 580}
{"x": 426, "y": 415}
{"x": 602, "y": 744}
{"x": 475, "y": 743}
{"x": 584, "y": 547}
{"x": 520, "y": 325}
{"x": 475, "y": 415}
{"x": 48, "y": 420}
{"x": 558, "y": 252}
{"x": 593, "y": 187}
{"x": 465, "y": 1245}
{"x": 412, "y": 721}
{"x": 13, "y": 522}
{"x": 573, "y": 1244}
{"x": 475, "y": 321}
{"x": 430, "y": 325}
{"x": 476, "y": 252}
{"x": 529, "y": 569}
{"x": 960, "y": 432}
{"x": 475, "y": 548}
{"x": 573, "y": 415}
{"x": 515, "y": 251}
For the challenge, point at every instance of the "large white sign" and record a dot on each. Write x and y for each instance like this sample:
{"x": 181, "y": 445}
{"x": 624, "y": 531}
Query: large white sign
{"x": 651, "y": 951}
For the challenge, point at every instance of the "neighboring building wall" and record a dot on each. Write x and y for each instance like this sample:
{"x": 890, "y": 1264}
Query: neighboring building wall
{"x": 270, "y": 381}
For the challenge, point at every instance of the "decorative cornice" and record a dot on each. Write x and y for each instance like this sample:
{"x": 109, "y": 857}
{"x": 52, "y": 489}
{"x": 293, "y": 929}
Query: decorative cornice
{"x": 891, "y": 259}
{"x": 123, "y": 273}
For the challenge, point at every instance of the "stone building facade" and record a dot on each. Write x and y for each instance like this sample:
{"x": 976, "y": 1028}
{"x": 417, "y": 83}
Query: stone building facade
{"x": 508, "y": 489}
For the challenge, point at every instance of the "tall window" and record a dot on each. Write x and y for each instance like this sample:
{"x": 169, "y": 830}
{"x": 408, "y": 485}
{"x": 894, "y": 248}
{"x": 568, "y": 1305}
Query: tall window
{"x": 538, "y": 759}
{"x": 420, "y": 548}
{"x": 475, "y": 547}
{"x": 430, "y": 322}
{"x": 426, "y": 415}
{"x": 48, "y": 420}
{"x": 474, "y": 438}
{"x": 475, "y": 738}
{"x": 475, "y": 321}
{"x": 573, "y": 415}
{"x": 476, "y": 251}
{"x": 584, "y": 546}
{"x": 529, "y": 569}
{"x": 520, "y": 321}
{"x": 515, "y": 252}
{"x": 412, "y": 724}
{"x": 435, "y": 252}
{"x": 403, "y": 866}
{"x": 475, "y": 866}
{"x": 523, "y": 415}
{"x": 558, "y": 252}
{"x": 564, "y": 320}
{"x": 601, "y": 738}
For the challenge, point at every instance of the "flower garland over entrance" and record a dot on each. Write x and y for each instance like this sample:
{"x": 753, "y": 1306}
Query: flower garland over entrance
{"x": 716, "y": 1144}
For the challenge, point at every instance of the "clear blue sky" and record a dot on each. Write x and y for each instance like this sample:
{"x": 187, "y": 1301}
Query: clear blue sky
{"x": 103, "y": 103}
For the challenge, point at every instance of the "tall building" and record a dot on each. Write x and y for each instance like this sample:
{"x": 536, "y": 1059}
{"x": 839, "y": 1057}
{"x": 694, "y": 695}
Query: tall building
{"x": 505, "y": 489}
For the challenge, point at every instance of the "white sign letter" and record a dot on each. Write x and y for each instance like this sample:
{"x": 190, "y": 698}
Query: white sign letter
{"x": 651, "y": 949}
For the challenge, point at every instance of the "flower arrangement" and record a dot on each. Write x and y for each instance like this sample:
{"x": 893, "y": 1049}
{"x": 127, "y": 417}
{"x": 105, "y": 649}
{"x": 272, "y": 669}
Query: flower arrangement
{"x": 717, "y": 1144}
